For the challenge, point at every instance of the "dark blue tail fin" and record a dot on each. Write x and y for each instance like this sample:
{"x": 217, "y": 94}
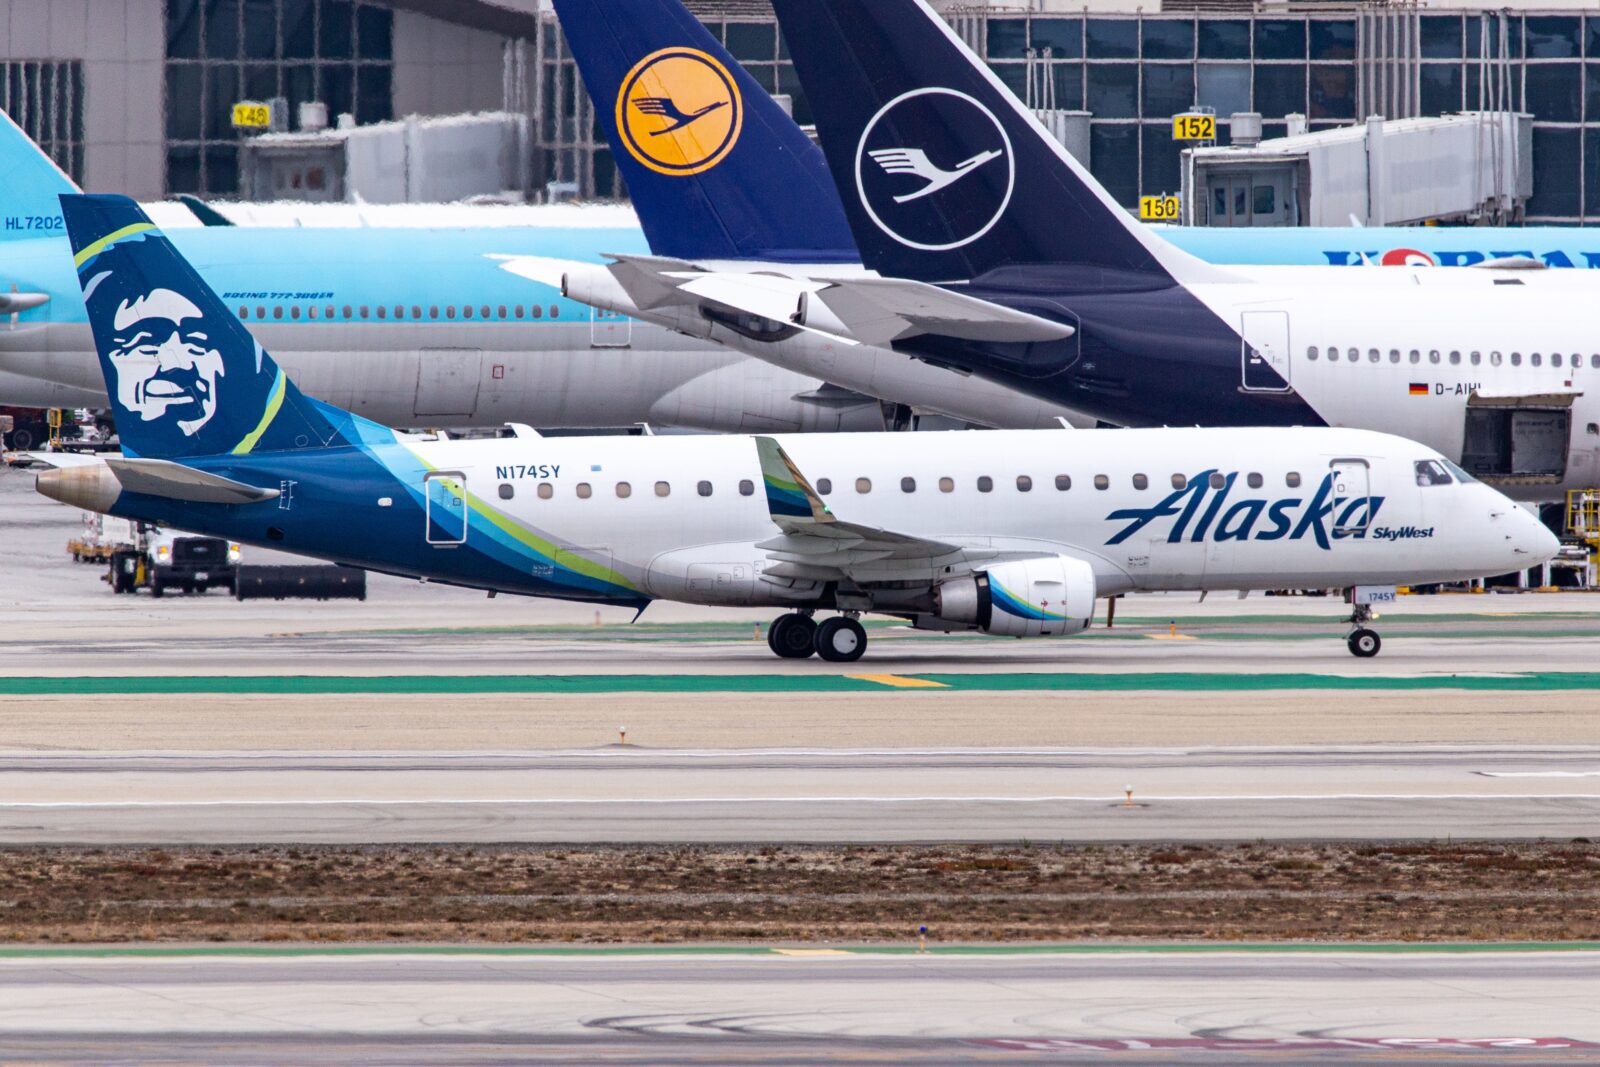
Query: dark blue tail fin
{"x": 32, "y": 182}
{"x": 185, "y": 377}
{"x": 714, "y": 166}
{"x": 944, "y": 174}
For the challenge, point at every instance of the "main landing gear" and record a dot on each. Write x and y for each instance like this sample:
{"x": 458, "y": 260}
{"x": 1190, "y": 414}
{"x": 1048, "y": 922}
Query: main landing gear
{"x": 840, "y": 639}
{"x": 1362, "y": 641}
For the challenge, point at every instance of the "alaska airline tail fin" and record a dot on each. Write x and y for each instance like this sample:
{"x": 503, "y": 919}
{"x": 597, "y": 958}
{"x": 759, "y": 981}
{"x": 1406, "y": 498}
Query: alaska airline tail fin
{"x": 185, "y": 377}
{"x": 32, "y": 182}
{"x": 716, "y": 169}
{"x": 944, "y": 174}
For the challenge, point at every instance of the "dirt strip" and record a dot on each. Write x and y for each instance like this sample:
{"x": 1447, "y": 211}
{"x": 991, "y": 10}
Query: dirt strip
{"x": 1027, "y": 892}
{"x": 834, "y": 720}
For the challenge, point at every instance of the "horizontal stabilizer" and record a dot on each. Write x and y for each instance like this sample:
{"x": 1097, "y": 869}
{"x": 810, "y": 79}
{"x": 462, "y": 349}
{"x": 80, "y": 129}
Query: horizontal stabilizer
{"x": 855, "y": 310}
{"x": 159, "y": 477}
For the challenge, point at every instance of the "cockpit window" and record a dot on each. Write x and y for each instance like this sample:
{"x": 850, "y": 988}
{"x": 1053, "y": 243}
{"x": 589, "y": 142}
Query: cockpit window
{"x": 1460, "y": 475}
{"x": 1432, "y": 472}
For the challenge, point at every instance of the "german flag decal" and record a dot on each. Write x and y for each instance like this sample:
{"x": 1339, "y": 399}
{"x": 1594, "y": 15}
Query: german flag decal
{"x": 1418, "y": 389}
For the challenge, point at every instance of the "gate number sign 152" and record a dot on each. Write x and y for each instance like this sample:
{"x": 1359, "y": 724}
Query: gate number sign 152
{"x": 1194, "y": 127}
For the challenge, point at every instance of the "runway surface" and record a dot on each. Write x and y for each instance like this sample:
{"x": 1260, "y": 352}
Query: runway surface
{"x": 709, "y": 1007}
{"x": 629, "y": 794}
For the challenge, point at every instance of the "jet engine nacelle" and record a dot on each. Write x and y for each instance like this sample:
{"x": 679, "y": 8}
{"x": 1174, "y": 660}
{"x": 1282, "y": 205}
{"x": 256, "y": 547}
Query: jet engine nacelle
{"x": 1048, "y": 597}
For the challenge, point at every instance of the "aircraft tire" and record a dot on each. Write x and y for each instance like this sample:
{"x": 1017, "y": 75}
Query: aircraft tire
{"x": 792, "y": 636}
{"x": 1364, "y": 643}
{"x": 841, "y": 640}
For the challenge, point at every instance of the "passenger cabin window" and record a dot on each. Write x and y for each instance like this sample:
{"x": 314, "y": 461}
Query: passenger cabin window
{"x": 1394, "y": 355}
{"x": 311, "y": 312}
{"x": 1311, "y": 353}
{"x": 1494, "y": 359}
{"x": 1218, "y": 481}
{"x": 364, "y": 310}
{"x": 624, "y": 490}
{"x": 1179, "y": 481}
{"x": 1594, "y": 361}
{"x": 416, "y": 311}
{"x": 555, "y": 311}
{"x": 383, "y": 312}
{"x": 1476, "y": 358}
{"x": 1063, "y": 482}
{"x": 1102, "y": 482}
{"x": 824, "y": 486}
{"x": 1141, "y": 482}
{"x": 1292, "y": 479}
{"x": 1534, "y": 360}
{"x": 1416, "y": 357}
{"x": 536, "y": 311}
{"x": 1253, "y": 480}
{"x": 1373, "y": 355}
{"x": 517, "y": 311}
{"x": 483, "y": 312}
{"x": 327, "y": 312}
{"x": 433, "y": 311}
{"x": 466, "y": 312}
{"x": 584, "y": 491}
{"x": 502, "y": 311}
{"x": 985, "y": 483}
{"x": 449, "y": 312}
{"x": 506, "y": 491}
{"x": 1354, "y": 354}
{"x": 1455, "y": 359}
{"x": 908, "y": 485}
{"x": 261, "y": 312}
{"x": 1333, "y": 355}
{"x": 546, "y": 490}
{"x": 1432, "y": 472}
{"x": 947, "y": 485}
{"x": 294, "y": 312}
{"x": 746, "y": 487}
{"x": 244, "y": 313}
{"x": 1516, "y": 359}
{"x": 863, "y": 485}
{"x": 1024, "y": 484}
{"x": 1433, "y": 355}
{"x": 347, "y": 311}
{"x": 663, "y": 489}
{"x": 703, "y": 488}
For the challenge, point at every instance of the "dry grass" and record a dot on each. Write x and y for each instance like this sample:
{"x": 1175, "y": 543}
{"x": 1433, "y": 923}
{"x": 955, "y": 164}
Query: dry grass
{"x": 1422, "y": 892}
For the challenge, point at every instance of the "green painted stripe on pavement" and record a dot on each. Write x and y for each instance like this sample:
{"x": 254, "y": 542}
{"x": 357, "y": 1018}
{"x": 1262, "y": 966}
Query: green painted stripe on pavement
{"x": 896, "y": 949}
{"x": 820, "y": 682}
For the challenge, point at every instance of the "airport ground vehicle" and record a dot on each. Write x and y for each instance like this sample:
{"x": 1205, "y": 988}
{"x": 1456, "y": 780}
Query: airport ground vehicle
{"x": 191, "y": 563}
{"x": 1011, "y": 533}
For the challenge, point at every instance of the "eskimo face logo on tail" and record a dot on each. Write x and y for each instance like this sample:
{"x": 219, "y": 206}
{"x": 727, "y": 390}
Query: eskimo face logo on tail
{"x": 935, "y": 169}
{"x": 166, "y": 367}
{"x": 679, "y": 111}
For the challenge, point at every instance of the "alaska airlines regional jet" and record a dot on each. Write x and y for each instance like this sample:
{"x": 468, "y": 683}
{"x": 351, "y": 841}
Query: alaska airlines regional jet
{"x": 1013, "y": 533}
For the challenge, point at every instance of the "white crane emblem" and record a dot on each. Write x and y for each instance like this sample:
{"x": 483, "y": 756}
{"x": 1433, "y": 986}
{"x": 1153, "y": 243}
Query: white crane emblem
{"x": 915, "y": 161}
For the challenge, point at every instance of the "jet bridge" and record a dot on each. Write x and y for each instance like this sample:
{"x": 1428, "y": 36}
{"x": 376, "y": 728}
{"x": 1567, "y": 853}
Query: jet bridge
{"x": 1474, "y": 168}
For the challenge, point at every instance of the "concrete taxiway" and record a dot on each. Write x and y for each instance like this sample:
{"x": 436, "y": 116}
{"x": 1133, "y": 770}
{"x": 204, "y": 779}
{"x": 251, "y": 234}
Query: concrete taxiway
{"x": 628, "y": 794}
{"x": 720, "y": 1006}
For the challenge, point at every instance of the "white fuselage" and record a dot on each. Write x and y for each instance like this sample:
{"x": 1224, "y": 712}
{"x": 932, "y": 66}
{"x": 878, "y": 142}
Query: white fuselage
{"x": 1298, "y": 507}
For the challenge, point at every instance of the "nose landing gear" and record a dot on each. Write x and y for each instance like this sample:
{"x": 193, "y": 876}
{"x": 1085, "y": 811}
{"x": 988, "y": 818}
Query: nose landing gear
{"x": 1363, "y": 643}
{"x": 840, "y": 639}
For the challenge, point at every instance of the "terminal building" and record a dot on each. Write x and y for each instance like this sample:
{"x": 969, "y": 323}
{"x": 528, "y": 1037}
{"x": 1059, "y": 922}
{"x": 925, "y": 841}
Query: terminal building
{"x": 136, "y": 96}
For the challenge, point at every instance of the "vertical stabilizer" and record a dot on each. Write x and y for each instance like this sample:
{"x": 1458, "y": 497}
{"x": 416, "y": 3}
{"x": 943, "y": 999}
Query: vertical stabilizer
{"x": 944, "y": 174}
{"x": 184, "y": 376}
{"x": 716, "y": 169}
{"x": 31, "y": 182}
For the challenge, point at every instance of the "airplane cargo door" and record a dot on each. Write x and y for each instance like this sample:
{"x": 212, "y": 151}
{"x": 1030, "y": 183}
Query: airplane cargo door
{"x": 445, "y": 493}
{"x": 609, "y": 329}
{"x": 1351, "y": 497}
{"x": 1265, "y": 348}
{"x": 447, "y": 382}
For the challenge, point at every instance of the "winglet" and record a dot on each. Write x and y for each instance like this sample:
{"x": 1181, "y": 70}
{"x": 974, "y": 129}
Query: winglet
{"x": 790, "y": 497}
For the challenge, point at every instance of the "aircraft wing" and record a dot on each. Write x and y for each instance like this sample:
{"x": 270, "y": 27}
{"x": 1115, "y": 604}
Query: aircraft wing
{"x": 817, "y": 545}
{"x": 857, "y": 310}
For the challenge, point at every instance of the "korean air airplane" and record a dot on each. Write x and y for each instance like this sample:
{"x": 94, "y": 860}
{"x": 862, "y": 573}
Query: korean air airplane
{"x": 1012, "y": 533}
{"x": 989, "y": 251}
